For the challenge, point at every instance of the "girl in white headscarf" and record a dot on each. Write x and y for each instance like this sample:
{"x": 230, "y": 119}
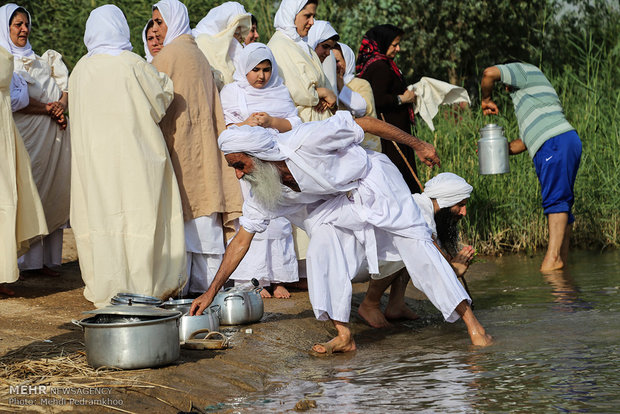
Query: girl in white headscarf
{"x": 151, "y": 44}
{"x": 258, "y": 97}
{"x": 226, "y": 24}
{"x": 43, "y": 127}
{"x": 120, "y": 159}
{"x": 300, "y": 67}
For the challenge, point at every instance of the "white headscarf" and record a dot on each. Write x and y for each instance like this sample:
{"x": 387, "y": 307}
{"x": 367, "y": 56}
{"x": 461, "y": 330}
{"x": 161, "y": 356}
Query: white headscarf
{"x": 320, "y": 31}
{"x": 255, "y": 141}
{"x": 107, "y": 31}
{"x": 175, "y": 15}
{"x": 285, "y": 21}
{"x": 448, "y": 189}
{"x": 219, "y": 18}
{"x": 349, "y": 60}
{"x": 5, "y": 35}
{"x": 240, "y": 99}
{"x": 147, "y": 52}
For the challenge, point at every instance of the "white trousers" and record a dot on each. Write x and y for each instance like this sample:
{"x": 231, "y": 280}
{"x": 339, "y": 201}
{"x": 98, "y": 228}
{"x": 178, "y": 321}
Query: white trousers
{"x": 45, "y": 252}
{"x": 204, "y": 246}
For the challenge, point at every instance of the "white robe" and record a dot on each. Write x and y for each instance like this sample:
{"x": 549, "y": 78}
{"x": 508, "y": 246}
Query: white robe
{"x": 21, "y": 212}
{"x": 49, "y": 148}
{"x": 126, "y": 209}
{"x": 355, "y": 205}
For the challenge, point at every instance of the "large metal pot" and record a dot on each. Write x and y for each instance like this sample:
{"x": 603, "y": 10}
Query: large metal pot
{"x": 210, "y": 318}
{"x": 131, "y": 337}
{"x": 239, "y": 306}
{"x": 134, "y": 299}
{"x": 493, "y": 150}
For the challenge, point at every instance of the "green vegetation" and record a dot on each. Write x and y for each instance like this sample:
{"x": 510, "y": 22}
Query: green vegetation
{"x": 576, "y": 43}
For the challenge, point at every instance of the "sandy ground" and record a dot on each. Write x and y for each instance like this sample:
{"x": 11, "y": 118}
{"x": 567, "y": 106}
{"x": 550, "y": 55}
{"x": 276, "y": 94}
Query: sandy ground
{"x": 37, "y": 337}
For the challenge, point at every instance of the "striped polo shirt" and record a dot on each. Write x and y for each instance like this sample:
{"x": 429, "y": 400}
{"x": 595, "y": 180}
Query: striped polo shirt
{"x": 536, "y": 103}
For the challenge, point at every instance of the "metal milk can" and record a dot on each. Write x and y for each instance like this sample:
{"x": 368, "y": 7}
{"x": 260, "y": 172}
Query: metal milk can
{"x": 493, "y": 150}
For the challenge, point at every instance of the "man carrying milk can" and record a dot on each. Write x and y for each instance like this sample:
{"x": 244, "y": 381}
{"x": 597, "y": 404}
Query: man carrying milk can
{"x": 550, "y": 140}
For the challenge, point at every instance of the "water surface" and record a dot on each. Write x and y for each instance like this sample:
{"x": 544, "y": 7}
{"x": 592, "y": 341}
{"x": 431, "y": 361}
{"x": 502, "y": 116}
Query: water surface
{"x": 556, "y": 350}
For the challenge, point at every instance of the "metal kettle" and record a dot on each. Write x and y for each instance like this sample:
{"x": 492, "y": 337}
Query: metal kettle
{"x": 493, "y": 150}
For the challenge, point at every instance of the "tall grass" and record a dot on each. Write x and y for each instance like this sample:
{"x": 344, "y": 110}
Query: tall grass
{"x": 504, "y": 212}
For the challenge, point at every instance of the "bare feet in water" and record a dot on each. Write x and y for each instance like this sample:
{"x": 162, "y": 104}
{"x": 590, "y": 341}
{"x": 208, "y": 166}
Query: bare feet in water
{"x": 481, "y": 339}
{"x": 6, "y": 291}
{"x": 280, "y": 292}
{"x": 399, "y": 312}
{"x": 338, "y": 344}
{"x": 373, "y": 315}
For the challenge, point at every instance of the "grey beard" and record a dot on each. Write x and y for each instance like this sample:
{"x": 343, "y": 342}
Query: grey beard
{"x": 266, "y": 183}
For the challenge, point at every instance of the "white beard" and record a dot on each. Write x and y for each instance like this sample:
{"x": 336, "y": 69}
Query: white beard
{"x": 266, "y": 183}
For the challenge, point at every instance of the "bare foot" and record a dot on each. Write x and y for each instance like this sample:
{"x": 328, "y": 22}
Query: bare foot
{"x": 337, "y": 344}
{"x": 481, "y": 339}
{"x": 373, "y": 315}
{"x": 280, "y": 292}
{"x": 6, "y": 291}
{"x": 551, "y": 263}
{"x": 400, "y": 311}
{"x": 264, "y": 293}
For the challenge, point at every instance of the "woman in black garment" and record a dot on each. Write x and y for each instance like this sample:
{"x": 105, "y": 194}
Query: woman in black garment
{"x": 375, "y": 63}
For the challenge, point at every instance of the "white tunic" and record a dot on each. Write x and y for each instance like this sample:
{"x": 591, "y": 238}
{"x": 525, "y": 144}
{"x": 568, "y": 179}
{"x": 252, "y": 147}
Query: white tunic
{"x": 21, "y": 212}
{"x": 125, "y": 207}
{"x": 355, "y": 205}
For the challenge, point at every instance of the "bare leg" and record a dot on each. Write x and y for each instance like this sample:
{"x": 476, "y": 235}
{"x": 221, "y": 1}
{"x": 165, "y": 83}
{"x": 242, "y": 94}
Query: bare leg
{"x": 369, "y": 308}
{"x": 557, "y": 230}
{"x": 343, "y": 342}
{"x": 566, "y": 243}
{"x": 396, "y": 307}
{"x": 280, "y": 292}
{"x": 476, "y": 332}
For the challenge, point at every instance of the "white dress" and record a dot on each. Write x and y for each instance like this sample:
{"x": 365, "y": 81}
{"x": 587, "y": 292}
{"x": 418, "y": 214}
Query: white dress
{"x": 355, "y": 205}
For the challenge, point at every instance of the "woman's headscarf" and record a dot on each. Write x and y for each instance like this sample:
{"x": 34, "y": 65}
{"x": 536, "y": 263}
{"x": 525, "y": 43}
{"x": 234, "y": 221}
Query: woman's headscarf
{"x": 285, "y": 21}
{"x": 147, "y": 52}
{"x": 6, "y": 12}
{"x": 107, "y": 31}
{"x": 349, "y": 61}
{"x": 320, "y": 31}
{"x": 175, "y": 15}
{"x": 242, "y": 98}
{"x": 375, "y": 45}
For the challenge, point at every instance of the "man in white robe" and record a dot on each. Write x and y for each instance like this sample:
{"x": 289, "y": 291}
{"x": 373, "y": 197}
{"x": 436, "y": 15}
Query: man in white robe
{"x": 354, "y": 204}
{"x": 125, "y": 205}
{"x": 21, "y": 212}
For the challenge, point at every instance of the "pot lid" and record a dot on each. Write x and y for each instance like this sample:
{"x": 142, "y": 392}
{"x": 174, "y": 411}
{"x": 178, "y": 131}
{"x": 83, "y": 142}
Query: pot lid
{"x": 134, "y": 310}
{"x": 125, "y": 298}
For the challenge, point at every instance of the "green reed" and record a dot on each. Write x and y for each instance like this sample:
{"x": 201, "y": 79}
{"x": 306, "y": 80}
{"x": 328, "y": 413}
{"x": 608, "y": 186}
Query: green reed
{"x": 504, "y": 212}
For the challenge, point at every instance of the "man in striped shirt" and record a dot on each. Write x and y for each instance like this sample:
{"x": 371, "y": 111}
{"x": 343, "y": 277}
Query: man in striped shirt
{"x": 553, "y": 145}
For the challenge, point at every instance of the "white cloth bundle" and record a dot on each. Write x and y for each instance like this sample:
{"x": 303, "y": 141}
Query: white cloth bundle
{"x": 430, "y": 93}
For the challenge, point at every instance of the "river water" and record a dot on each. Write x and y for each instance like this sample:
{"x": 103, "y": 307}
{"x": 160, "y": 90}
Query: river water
{"x": 557, "y": 350}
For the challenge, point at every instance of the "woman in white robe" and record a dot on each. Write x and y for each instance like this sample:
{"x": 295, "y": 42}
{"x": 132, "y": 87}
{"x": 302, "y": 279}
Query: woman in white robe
{"x": 226, "y": 24}
{"x": 43, "y": 128}
{"x": 300, "y": 67}
{"x": 125, "y": 203}
{"x": 21, "y": 212}
{"x": 271, "y": 258}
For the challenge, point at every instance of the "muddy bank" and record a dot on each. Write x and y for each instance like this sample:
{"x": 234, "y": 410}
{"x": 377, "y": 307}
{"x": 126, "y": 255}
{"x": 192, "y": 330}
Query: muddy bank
{"x": 39, "y": 346}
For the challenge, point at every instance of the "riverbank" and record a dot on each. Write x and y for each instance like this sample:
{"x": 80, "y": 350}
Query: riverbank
{"x": 40, "y": 347}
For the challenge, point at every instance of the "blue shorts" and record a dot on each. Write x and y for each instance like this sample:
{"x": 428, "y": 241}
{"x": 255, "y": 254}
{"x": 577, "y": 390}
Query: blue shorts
{"x": 557, "y": 162}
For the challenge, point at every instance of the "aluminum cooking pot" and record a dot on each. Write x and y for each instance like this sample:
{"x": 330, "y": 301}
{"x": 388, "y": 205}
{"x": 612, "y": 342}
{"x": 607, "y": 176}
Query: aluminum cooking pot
{"x": 493, "y": 150}
{"x": 210, "y": 318}
{"x": 131, "y": 337}
{"x": 134, "y": 299}
{"x": 239, "y": 306}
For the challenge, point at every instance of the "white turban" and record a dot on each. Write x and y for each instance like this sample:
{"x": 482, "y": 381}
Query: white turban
{"x": 107, "y": 31}
{"x": 448, "y": 189}
{"x": 175, "y": 15}
{"x": 255, "y": 141}
{"x": 320, "y": 31}
{"x": 349, "y": 60}
{"x": 285, "y": 21}
{"x": 6, "y": 12}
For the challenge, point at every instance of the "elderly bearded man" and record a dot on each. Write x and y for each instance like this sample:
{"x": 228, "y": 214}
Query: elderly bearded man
{"x": 442, "y": 204}
{"x": 353, "y": 203}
